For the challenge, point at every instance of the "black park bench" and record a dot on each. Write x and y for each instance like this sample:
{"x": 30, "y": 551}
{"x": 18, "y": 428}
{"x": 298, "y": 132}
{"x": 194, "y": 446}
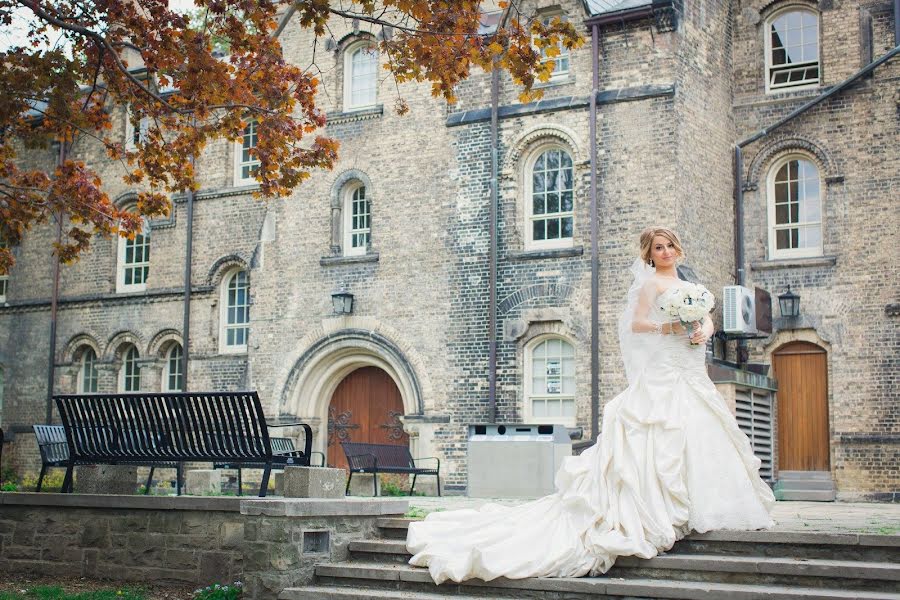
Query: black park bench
{"x": 386, "y": 458}
{"x": 162, "y": 429}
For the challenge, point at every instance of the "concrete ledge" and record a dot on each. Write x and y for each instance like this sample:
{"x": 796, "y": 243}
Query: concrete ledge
{"x": 218, "y": 503}
{"x": 309, "y": 507}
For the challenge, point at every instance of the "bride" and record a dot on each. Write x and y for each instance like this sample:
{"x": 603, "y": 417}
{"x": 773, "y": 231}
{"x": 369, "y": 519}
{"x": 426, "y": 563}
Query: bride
{"x": 670, "y": 459}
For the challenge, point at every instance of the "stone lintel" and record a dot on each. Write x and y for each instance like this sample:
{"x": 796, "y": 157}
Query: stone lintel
{"x": 314, "y": 507}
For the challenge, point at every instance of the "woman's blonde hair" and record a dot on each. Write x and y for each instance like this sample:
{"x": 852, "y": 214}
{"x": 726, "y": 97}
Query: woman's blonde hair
{"x": 647, "y": 236}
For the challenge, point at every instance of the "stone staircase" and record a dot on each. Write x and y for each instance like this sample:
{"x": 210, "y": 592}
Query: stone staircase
{"x": 740, "y": 565}
{"x": 815, "y": 486}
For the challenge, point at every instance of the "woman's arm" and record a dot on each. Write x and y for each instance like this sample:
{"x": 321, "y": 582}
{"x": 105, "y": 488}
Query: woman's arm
{"x": 641, "y": 322}
{"x": 704, "y": 332}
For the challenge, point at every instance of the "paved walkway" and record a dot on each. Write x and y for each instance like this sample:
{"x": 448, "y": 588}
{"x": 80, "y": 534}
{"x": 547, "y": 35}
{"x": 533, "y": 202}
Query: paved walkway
{"x": 813, "y": 517}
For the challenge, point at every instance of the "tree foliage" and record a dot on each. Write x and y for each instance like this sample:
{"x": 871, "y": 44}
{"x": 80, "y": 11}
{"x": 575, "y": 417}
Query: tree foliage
{"x": 165, "y": 68}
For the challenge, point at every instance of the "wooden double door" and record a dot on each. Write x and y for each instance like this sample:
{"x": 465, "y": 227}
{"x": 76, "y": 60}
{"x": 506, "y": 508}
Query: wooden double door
{"x": 365, "y": 407}
{"x": 803, "y": 433}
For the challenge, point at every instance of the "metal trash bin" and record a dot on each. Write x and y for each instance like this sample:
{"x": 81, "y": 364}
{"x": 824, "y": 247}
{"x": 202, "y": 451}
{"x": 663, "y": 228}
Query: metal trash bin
{"x": 515, "y": 461}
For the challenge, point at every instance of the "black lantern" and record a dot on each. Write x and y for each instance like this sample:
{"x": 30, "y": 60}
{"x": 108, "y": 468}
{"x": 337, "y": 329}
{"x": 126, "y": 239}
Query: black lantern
{"x": 789, "y": 303}
{"x": 343, "y": 303}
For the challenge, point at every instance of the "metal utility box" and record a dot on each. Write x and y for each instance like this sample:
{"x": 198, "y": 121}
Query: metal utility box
{"x": 515, "y": 461}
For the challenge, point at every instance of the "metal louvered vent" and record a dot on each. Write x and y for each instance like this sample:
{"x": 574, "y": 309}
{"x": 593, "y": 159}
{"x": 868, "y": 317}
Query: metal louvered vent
{"x": 753, "y": 411}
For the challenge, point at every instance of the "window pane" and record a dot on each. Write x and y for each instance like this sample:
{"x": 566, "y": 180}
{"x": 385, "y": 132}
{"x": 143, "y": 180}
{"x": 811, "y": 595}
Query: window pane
{"x": 539, "y": 408}
{"x": 552, "y": 203}
{"x": 567, "y": 227}
{"x": 795, "y": 212}
{"x": 568, "y": 408}
{"x": 538, "y": 230}
{"x": 782, "y": 239}
{"x": 781, "y": 213}
{"x": 810, "y": 236}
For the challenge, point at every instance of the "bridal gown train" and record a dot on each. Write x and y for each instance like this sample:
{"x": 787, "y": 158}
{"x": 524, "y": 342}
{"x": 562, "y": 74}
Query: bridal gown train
{"x": 670, "y": 459}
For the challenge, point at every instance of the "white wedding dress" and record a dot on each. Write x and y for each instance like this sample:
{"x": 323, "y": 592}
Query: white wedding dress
{"x": 670, "y": 459}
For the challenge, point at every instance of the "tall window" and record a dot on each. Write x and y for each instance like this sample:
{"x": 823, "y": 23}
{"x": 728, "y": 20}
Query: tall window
{"x": 135, "y": 136}
{"x": 130, "y": 372}
{"x": 792, "y": 49}
{"x": 173, "y": 375}
{"x": 247, "y": 164}
{"x": 795, "y": 209}
{"x": 357, "y": 221}
{"x": 236, "y": 312}
{"x": 134, "y": 262}
{"x": 561, "y": 60}
{"x": 87, "y": 373}
{"x": 550, "y": 210}
{"x": 360, "y": 76}
{"x": 4, "y": 279}
{"x": 550, "y": 383}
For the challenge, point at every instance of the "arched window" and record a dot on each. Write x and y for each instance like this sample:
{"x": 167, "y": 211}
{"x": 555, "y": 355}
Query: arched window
{"x": 550, "y": 199}
{"x": 235, "y": 316}
{"x": 87, "y": 372}
{"x": 173, "y": 378}
{"x": 795, "y": 209}
{"x": 130, "y": 371}
{"x": 134, "y": 262}
{"x": 360, "y": 76}
{"x": 550, "y": 381}
{"x": 561, "y": 59}
{"x": 792, "y": 49}
{"x": 357, "y": 221}
{"x": 246, "y": 163}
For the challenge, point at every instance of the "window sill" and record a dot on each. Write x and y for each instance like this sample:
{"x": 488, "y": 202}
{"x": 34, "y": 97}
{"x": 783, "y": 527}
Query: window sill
{"x": 555, "y": 81}
{"x": 791, "y": 263}
{"x": 350, "y": 116}
{"x": 330, "y": 261}
{"x": 543, "y": 253}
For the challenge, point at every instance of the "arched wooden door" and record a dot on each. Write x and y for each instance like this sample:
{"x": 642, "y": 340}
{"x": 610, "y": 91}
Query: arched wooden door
{"x": 365, "y": 407}
{"x": 803, "y": 437}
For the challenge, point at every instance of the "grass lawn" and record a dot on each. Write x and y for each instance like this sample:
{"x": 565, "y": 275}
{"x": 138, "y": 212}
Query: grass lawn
{"x": 43, "y": 587}
{"x": 52, "y": 592}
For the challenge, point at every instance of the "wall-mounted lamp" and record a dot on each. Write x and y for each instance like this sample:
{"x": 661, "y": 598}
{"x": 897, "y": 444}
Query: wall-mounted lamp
{"x": 342, "y": 302}
{"x": 789, "y": 303}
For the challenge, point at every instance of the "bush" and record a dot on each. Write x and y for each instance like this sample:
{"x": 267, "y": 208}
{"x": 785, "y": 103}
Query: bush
{"x": 9, "y": 486}
{"x": 53, "y": 481}
{"x": 220, "y": 592}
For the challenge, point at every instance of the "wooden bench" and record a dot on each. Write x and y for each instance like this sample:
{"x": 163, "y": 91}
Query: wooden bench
{"x": 161, "y": 429}
{"x": 386, "y": 458}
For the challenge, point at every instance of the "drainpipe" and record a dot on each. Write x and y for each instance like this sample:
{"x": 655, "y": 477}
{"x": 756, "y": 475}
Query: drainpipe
{"x": 186, "y": 318}
{"x": 595, "y": 263}
{"x": 896, "y": 23}
{"x": 492, "y": 310}
{"x": 54, "y": 301}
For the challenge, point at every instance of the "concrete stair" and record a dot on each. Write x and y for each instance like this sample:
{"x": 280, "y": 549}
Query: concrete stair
{"x": 739, "y": 565}
{"x": 815, "y": 486}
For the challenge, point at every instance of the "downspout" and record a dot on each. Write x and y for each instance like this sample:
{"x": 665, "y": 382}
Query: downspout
{"x": 492, "y": 310}
{"x": 54, "y": 300}
{"x": 595, "y": 261}
{"x": 186, "y": 318}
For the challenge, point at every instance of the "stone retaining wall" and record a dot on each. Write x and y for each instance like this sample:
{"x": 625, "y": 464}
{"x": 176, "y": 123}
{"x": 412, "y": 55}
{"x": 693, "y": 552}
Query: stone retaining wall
{"x": 268, "y": 544}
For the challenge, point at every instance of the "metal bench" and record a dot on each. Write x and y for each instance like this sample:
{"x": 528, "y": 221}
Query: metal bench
{"x": 169, "y": 428}
{"x": 282, "y": 449}
{"x": 54, "y": 449}
{"x": 386, "y": 458}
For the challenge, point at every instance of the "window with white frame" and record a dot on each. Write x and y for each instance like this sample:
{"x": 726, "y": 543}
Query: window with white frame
{"x": 4, "y": 279}
{"x": 246, "y": 163}
{"x": 173, "y": 378}
{"x": 134, "y": 261}
{"x": 795, "y": 209}
{"x": 550, "y": 199}
{"x": 87, "y": 372}
{"x": 792, "y": 49}
{"x": 360, "y": 76}
{"x": 134, "y": 136}
{"x": 550, "y": 381}
{"x": 235, "y": 312}
{"x": 357, "y": 221}
{"x": 561, "y": 60}
{"x": 130, "y": 371}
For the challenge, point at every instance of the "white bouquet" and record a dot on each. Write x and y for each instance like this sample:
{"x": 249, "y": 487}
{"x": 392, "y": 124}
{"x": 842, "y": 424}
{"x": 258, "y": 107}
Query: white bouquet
{"x": 689, "y": 304}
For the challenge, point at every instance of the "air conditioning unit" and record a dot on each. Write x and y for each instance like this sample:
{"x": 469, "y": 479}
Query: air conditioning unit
{"x": 739, "y": 309}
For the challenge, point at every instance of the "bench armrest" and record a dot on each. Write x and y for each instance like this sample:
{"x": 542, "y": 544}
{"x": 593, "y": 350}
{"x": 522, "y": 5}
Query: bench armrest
{"x": 374, "y": 464}
{"x": 321, "y": 454}
{"x": 307, "y": 430}
{"x": 435, "y": 458}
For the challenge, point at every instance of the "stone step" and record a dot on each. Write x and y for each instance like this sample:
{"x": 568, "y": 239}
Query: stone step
{"x": 379, "y": 550}
{"x": 810, "y": 484}
{"x": 787, "y": 544}
{"x": 805, "y": 495}
{"x": 346, "y": 593}
{"x": 812, "y": 573}
{"x": 408, "y": 582}
{"x": 820, "y": 475}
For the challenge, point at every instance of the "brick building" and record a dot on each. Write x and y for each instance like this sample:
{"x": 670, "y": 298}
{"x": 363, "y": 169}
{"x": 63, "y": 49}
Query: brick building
{"x": 403, "y": 223}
